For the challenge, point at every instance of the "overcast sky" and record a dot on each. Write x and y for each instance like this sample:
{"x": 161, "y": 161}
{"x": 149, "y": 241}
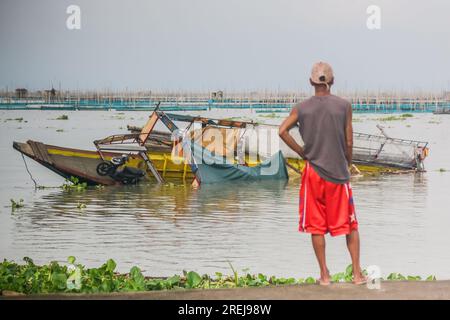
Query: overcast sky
{"x": 224, "y": 44}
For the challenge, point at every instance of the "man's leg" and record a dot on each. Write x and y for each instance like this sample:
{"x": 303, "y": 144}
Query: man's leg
{"x": 353, "y": 248}
{"x": 318, "y": 242}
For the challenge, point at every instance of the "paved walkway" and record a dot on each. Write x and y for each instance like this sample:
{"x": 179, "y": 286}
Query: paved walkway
{"x": 388, "y": 290}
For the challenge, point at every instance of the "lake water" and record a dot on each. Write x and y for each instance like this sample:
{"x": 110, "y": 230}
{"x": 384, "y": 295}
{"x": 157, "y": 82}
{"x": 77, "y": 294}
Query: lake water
{"x": 404, "y": 219}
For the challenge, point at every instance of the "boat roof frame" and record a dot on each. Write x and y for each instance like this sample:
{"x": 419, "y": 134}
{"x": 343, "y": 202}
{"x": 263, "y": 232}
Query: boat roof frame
{"x": 209, "y": 121}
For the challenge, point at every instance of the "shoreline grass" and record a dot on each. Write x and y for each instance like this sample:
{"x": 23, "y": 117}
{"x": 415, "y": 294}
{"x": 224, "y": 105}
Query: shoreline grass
{"x": 30, "y": 278}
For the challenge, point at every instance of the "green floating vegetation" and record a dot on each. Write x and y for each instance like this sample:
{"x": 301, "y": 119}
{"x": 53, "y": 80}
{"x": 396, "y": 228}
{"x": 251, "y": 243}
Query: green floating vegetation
{"x": 16, "y": 204}
{"x": 16, "y": 119}
{"x": 74, "y": 184}
{"x": 391, "y": 118}
{"x": 81, "y": 205}
{"x": 29, "y": 278}
{"x": 63, "y": 117}
{"x": 270, "y": 115}
{"x": 403, "y": 116}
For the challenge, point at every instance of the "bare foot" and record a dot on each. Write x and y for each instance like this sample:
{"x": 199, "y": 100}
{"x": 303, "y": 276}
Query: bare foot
{"x": 324, "y": 282}
{"x": 359, "y": 279}
{"x": 325, "y": 279}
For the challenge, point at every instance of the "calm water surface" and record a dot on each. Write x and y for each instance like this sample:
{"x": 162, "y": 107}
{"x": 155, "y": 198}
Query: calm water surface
{"x": 404, "y": 219}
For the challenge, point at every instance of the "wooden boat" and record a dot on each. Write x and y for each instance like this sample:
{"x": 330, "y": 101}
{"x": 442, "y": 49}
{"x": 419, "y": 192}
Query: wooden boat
{"x": 165, "y": 164}
{"x": 82, "y": 164}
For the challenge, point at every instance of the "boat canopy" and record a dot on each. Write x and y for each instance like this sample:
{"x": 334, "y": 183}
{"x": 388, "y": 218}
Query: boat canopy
{"x": 210, "y": 121}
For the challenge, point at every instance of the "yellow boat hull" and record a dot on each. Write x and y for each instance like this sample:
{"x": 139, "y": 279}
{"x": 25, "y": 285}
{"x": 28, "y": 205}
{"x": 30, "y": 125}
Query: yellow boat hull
{"x": 82, "y": 164}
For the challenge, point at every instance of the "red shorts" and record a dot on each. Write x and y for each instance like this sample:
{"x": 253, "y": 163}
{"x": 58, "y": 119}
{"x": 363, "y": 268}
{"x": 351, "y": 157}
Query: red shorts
{"x": 325, "y": 206}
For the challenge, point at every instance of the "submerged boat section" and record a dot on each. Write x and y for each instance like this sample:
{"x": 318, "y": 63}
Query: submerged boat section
{"x": 186, "y": 153}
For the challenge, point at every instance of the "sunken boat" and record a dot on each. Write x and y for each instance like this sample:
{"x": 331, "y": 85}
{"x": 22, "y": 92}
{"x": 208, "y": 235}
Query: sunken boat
{"x": 187, "y": 153}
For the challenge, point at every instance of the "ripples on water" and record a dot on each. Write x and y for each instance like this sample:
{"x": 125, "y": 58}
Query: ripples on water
{"x": 403, "y": 222}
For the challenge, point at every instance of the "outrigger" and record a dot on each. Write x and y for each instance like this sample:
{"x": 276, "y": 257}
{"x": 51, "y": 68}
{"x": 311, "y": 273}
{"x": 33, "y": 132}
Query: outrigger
{"x": 187, "y": 153}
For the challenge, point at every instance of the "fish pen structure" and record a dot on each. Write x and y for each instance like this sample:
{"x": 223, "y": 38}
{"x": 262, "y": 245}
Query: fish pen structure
{"x": 260, "y": 102}
{"x": 383, "y": 150}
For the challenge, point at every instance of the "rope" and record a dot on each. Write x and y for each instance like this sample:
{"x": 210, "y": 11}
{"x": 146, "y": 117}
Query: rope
{"x": 36, "y": 186}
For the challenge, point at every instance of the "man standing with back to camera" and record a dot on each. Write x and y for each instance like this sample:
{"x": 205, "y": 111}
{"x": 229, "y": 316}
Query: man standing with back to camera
{"x": 326, "y": 201}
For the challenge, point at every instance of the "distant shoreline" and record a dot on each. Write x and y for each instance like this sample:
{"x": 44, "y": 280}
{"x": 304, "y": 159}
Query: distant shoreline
{"x": 268, "y": 102}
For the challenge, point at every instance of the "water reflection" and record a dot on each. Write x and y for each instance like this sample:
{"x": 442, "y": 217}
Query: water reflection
{"x": 251, "y": 224}
{"x": 176, "y": 200}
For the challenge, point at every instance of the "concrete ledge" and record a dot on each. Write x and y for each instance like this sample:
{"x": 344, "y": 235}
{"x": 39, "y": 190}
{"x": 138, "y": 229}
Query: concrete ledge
{"x": 398, "y": 290}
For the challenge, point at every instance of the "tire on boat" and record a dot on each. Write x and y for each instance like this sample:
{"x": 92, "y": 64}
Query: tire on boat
{"x": 104, "y": 168}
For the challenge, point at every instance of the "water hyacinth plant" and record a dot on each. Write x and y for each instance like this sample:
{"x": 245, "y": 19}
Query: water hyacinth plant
{"x": 74, "y": 184}
{"x": 30, "y": 278}
{"x": 16, "y": 204}
{"x": 81, "y": 205}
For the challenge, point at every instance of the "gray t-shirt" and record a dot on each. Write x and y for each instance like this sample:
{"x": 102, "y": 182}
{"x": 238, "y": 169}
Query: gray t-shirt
{"x": 322, "y": 122}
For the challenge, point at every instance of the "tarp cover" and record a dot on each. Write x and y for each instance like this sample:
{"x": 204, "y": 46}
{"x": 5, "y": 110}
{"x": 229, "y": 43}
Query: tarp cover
{"x": 214, "y": 169}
